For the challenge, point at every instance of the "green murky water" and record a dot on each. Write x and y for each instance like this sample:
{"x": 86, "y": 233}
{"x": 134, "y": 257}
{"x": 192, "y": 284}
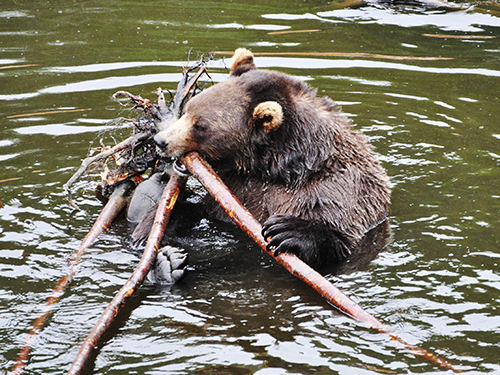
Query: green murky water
{"x": 434, "y": 121}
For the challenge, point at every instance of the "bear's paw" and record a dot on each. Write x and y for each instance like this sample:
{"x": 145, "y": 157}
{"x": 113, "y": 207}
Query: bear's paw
{"x": 170, "y": 266}
{"x": 312, "y": 242}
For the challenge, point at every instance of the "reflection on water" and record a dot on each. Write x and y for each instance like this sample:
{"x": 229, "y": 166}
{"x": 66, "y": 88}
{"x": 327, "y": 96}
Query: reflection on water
{"x": 463, "y": 20}
{"x": 434, "y": 122}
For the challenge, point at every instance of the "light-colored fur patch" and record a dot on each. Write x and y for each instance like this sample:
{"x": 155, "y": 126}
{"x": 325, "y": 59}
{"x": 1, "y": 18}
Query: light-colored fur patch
{"x": 269, "y": 109}
{"x": 177, "y": 138}
{"x": 241, "y": 56}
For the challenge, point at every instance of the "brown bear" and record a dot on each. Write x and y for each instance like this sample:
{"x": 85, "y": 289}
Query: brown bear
{"x": 291, "y": 157}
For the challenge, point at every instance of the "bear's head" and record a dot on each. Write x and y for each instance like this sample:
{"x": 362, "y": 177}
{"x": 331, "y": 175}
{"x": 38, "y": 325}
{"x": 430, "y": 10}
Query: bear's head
{"x": 264, "y": 123}
{"x": 223, "y": 119}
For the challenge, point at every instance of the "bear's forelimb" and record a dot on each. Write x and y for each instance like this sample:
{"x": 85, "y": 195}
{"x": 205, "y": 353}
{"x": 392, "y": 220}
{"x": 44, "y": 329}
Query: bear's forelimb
{"x": 313, "y": 242}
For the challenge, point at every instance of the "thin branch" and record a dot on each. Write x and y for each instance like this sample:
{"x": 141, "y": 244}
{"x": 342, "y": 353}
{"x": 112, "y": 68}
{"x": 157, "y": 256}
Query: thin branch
{"x": 49, "y": 112}
{"x": 103, "y": 155}
{"x": 10, "y": 179}
{"x": 116, "y": 203}
{"x": 18, "y": 66}
{"x": 465, "y": 37}
{"x": 165, "y": 206}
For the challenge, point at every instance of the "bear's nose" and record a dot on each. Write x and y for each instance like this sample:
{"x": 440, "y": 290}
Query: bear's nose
{"x": 160, "y": 141}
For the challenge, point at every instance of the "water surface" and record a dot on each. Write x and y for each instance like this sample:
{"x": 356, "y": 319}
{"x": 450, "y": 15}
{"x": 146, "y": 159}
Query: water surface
{"x": 434, "y": 121}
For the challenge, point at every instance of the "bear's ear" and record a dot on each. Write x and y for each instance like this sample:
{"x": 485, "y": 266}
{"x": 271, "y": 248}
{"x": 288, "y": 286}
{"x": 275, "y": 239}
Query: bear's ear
{"x": 269, "y": 115}
{"x": 242, "y": 62}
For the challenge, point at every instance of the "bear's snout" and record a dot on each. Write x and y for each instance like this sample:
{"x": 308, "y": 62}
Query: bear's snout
{"x": 160, "y": 141}
{"x": 175, "y": 140}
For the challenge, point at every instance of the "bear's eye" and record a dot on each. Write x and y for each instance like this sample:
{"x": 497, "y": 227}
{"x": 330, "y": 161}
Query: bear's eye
{"x": 200, "y": 125}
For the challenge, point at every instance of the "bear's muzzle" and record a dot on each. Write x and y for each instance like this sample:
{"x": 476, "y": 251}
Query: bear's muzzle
{"x": 160, "y": 141}
{"x": 176, "y": 139}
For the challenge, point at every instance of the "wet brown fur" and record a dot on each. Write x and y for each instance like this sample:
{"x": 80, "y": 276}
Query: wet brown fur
{"x": 310, "y": 165}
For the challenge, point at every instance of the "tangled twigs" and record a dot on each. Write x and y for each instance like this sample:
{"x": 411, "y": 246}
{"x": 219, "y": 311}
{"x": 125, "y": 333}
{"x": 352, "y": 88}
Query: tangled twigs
{"x": 139, "y": 151}
{"x": 161, "y": 111}
{"x": 129, "y": 142}
{"x": 147, "y": 105}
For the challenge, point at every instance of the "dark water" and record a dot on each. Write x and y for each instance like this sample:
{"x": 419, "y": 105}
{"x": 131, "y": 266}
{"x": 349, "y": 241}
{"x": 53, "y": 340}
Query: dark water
{"x": 436, "y": 123}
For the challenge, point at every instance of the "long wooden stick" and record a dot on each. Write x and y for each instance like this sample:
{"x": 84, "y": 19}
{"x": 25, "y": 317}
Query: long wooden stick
{"x": 167, "y": 201}
{"x": 112, "y": 208}
{"x": 245, "y": 220}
